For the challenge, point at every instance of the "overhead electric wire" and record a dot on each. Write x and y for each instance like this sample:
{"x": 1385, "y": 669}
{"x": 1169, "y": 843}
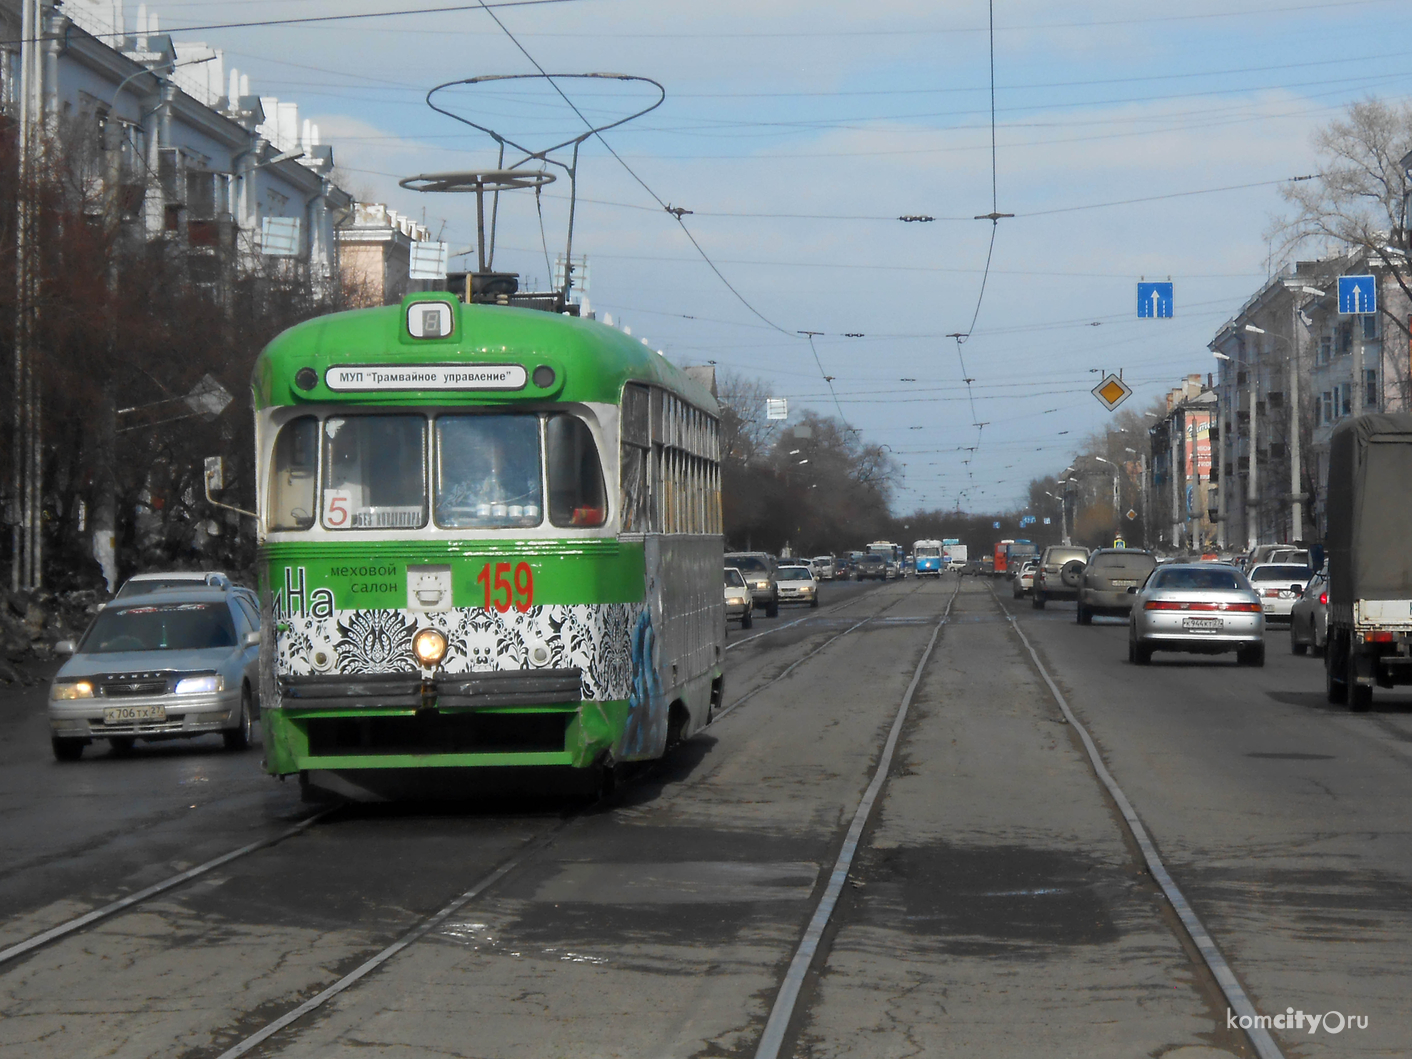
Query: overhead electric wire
{"x": 630, "y": 171}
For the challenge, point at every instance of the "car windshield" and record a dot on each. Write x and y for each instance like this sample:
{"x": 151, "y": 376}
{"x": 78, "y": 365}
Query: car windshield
{"x": 1137, "y": 565}
{"x": 1280, "y": 573}
{"x": 161, "y": 627}
{"x": 749, "y": 564}
{"x": 792, "y": 573}
{"x": 734, "y": 580}
{"x": 1205, "y": 580}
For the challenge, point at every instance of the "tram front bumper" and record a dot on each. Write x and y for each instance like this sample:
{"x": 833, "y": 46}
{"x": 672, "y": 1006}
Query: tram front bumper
{"x": 518, "y": 717}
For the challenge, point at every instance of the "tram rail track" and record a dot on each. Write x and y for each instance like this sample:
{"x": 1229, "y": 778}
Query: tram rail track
{"x": 1196, "y": 931}
{"x": 822, "y": 612}
{"x": 531, "y": 847}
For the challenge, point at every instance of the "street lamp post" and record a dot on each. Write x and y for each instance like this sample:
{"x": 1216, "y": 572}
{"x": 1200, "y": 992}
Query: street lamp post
{"x": 1117, "y": 497}
{"x": 1295, "y": 452}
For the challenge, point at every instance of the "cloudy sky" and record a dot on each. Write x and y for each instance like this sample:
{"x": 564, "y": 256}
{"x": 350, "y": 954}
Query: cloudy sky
{"x": 798, "y": 133}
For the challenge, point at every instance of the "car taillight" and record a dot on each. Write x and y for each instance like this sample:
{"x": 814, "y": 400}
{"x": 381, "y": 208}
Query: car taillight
{"x": 1379, "y": 637}
{"x": 1324, "y": 599}
{"x": 1272, "y": 593}
{"x": 1172, "y": 604}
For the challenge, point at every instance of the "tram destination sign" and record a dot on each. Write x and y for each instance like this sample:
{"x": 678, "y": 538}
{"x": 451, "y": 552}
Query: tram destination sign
{"x": 365, "y": 377}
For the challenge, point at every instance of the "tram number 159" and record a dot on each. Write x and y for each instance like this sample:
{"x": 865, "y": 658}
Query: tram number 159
{"x": 500, "y": 593}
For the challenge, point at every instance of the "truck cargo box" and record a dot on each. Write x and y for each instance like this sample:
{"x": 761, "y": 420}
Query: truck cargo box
{"x": 1370, "y": 520}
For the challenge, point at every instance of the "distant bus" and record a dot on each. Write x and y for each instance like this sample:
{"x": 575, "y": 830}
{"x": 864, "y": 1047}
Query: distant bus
{"x": 1009, "y": 555}
{"x": 927, "y": 557}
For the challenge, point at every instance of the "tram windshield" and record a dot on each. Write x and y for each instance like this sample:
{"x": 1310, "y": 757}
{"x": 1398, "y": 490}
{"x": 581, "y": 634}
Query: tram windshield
{"x": 487, "y": 471}
{"x": 375, "y": 472}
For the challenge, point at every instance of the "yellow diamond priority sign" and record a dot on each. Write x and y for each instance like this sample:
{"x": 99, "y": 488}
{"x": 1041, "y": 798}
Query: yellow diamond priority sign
{"x": 1112, "y": 391}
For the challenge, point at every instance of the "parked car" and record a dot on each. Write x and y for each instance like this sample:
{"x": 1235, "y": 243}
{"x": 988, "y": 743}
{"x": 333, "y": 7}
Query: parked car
{"x": 739, "y": 606}
{"x": 1060, "y": 570}
{"x": 1279, "y": 585}
{"x": 1309, "y": 617}
{"x": 871, "y": 568}
{"x": 1203, "y": 608}
{"x": 1022, "y": 584}
{"x": 797, "y": 585}
{"x": 823, "y": 567}
{"x": 1106, "y": 579}
{"x": 166, "y": 664}
{"x": 758, "y": 569}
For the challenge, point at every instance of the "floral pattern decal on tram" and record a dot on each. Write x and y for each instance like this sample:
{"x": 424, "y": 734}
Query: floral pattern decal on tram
{"x": 594, "y": 637}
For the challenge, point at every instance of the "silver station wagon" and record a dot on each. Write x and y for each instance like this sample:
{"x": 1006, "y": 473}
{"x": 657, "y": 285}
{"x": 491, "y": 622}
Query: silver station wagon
{"x": 1203, "y": 608}
{"x": 165, "y": 664}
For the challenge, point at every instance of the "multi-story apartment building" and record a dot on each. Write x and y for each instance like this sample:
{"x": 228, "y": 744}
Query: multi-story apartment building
{"x": 1182, "y": 475}
{"x": 232, "y": 182}
{"x": 1291, "y": 367}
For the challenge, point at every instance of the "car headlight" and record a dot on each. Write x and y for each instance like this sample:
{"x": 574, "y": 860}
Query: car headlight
{"x": 762, "y": 584}
{"x": 76, "y": 689}
{"x": 206, "y": 684}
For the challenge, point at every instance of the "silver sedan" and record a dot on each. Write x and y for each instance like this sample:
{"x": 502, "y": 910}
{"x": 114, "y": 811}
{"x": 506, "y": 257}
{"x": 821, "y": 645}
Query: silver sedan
{"x": 1202, "y": 608}
{"x": 175, "y": 662}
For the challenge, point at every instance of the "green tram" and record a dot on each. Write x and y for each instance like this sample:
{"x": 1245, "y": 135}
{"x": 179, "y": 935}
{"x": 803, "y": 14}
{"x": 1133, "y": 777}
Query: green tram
{"x": 489, "y": 536}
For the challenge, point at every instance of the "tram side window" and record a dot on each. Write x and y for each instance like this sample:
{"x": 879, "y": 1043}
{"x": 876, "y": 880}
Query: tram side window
{"x": 635, "y": 468}
{"x": 375, "y": 472}
{"x": 487, "y": 472}
{"x": 576, "y": 494}
{"x": 293, "y": 475}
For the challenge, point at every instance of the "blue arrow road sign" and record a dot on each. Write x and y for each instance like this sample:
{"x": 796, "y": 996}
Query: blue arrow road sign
{"x": 1154, "y": 300}
{"x": 1357, "y": 295}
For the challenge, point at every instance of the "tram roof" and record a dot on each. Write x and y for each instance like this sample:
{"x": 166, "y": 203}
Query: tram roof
{"x": 591, "y": 360}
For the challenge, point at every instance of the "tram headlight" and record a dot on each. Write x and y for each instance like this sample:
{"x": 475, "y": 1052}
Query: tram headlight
{"x": 429, "y": 646}
{"x": 306, "y": 378}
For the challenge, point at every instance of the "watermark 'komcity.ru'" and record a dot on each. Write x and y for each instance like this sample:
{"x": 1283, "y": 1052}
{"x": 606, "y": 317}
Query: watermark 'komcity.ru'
{"x": 1329, "y": 1021}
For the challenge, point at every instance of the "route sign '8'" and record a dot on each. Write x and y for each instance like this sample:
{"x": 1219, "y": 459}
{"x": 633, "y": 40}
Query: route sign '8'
{"x": 1357, "y": 295}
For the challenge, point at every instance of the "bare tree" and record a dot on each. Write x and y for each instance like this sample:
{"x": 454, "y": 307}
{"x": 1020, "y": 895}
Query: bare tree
{"x": 1358, "y": 199}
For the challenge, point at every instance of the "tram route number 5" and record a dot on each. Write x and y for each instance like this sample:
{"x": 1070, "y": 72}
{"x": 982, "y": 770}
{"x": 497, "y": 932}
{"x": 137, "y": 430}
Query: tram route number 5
{"x": 337, "y": 508}
{"x": 498, "y": 591}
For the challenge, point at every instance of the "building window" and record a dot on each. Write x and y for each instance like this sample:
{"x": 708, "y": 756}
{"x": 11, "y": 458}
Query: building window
{"x": 1370, "y": 327}
{"x": 1345, "y": 337}
{"x": 1343, "y": 399}
{"x": 1328, "y": 404}
{"x": 1370, "y": 390}
{"x": 1326, "y": 348}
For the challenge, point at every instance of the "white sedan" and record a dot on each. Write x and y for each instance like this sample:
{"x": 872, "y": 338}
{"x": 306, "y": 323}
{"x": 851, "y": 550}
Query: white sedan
{"x": 1279, "y": 585}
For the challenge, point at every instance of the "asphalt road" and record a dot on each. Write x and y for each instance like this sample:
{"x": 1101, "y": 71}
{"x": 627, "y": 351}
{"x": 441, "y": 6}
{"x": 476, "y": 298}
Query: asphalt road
{"x": 996, "y": 906}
